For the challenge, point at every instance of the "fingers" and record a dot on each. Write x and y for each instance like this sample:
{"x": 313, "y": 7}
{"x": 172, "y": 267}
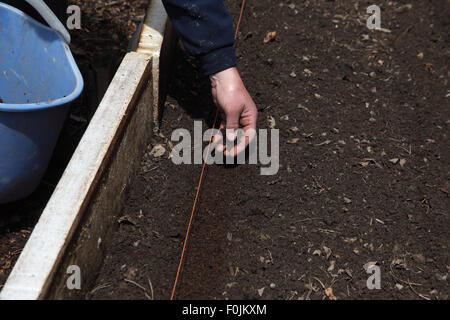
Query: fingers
{"x": 218, "y": 137}
{"x": 244, "y": 140}
{"x": 237, "y": 111}
{"x": 232, "y": 121}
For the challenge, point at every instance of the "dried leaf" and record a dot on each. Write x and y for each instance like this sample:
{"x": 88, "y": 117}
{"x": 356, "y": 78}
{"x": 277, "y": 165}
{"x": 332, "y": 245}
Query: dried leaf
{"x": 271, "y": 121}
{"x": 350, "y": 240}
{"x": 293, "y": 141}
{"x": 332, "y": 265}
{"x": 261, "y": 291}
{"x": 327, "y": 251}
{"x": 270, "y": 36}
{"x": 158, "y": 151}
{"x": 329, "y": 293}
{"x": 126, "y": 220}
{"x": 300, "y": 106}
{"x": 364, "y": 164}
{"x": 394, "y": 160}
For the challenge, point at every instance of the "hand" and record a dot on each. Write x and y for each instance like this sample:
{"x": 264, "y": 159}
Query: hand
{"x": 236, "y": 107}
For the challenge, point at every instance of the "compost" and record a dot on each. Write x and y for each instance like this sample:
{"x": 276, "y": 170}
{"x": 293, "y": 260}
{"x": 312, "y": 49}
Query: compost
{"x": 364, "y": 123}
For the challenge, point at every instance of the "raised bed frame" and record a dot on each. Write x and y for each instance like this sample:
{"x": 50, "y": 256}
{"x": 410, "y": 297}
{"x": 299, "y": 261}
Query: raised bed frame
{"x": 79, "y": 217}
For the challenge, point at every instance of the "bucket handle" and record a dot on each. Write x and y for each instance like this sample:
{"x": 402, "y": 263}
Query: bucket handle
{"x": 52, "y": 20}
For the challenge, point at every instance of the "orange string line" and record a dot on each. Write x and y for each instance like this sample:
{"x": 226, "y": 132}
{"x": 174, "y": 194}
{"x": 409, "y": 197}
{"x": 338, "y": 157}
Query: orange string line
{"x": 201, "y": 178}
{"x": 240, "y": 19}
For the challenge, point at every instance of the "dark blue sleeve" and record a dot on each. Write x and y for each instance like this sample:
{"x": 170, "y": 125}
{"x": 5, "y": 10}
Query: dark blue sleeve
{"x": 206, "y": 30}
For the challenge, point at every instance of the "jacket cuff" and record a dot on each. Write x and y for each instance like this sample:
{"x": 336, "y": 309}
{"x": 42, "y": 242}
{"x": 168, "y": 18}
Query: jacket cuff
{"x": 218, "y": 60}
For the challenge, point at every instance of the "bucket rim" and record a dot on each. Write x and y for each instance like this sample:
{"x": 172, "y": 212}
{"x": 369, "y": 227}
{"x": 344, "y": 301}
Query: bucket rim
{"x": 79, "y": 83}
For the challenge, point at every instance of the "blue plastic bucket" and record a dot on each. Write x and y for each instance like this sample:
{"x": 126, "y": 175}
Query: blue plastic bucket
{"x": 38, "y": 80}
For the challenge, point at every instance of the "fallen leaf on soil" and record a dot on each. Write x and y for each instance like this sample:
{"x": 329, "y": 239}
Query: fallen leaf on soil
{"x": 231, "y": 284}
{"x": 300, "y": 106}
{"x": 293, "y": 141}
{"x": 327, "y": 251}
{"x": 317, "y": 252}
{"x": 307, "y": 72}
{"x": 350, "y": 240}
{"x": 370, "y": 264}
{"x": 347, "y": 200}
{"x": 329, "y": 293}
{"x": 331, "y": 267}
{"x": 402, "y": 162}
{"x": 126, "y": 219}
{"x": 394, "y": 160}
{"x": 364, "y": 164}
{"x": 261, "y": 291}
{"x": 294, "y": 129}
{"x": 399, "y": 263}
{"x": 271, "y": 121}
{"x": 270, "y": 36}
{"x": 158, "y": 151}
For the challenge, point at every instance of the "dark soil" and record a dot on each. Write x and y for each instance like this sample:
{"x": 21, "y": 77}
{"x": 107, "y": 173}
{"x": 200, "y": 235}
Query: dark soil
{"x": 356, "y": 100}
{"x": 98, "y": 48}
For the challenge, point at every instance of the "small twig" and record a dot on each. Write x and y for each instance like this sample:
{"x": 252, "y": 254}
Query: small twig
{"x": 139, "y": 286}
{"x": 102, "y": 286}
{"x": 135, "y": 283}
{"x": 151, "y": 288}
{"x": 403, "y": 281}
{"x": 321, "y": 283}
{"x": 109, "y": 4}
{"x": 310, "y": 284}
{"x": 420, "y": 295}
{"x": 270, "y": 255}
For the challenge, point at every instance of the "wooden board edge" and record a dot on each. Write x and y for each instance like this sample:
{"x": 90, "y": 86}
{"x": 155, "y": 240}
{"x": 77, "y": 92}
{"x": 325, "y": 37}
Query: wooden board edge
{"x": 34, "y": 271}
